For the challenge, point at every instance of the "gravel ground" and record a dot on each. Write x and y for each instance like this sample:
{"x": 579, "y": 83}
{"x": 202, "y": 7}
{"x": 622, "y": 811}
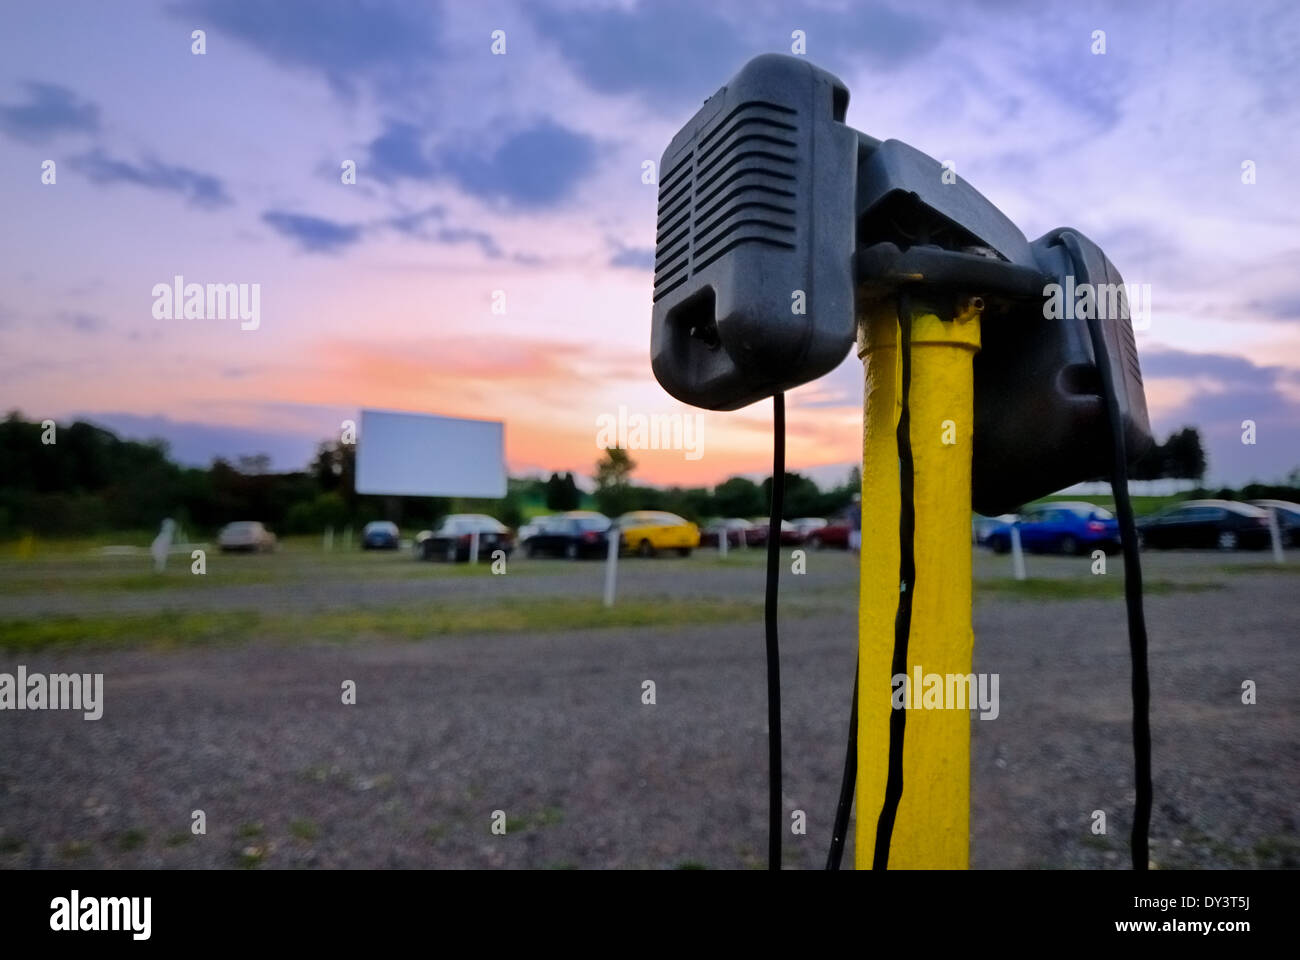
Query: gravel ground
{"x": 551, "y": 728}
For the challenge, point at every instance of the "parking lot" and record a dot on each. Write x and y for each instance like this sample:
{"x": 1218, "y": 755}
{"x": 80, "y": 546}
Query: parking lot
{"x": 478, "y": 693}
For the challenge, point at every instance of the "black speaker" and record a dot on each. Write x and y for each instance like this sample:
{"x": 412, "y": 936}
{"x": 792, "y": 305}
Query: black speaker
{"x": 753, "y": 284}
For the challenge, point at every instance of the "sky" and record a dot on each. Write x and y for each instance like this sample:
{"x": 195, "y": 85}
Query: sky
{"x": 514, "y": 180}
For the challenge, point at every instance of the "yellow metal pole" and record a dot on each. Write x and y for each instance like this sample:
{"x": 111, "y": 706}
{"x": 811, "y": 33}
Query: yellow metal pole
{"x": 932, "y": 829}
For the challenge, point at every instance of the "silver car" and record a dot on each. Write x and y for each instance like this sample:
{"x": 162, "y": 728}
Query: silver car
{"x": 246, "y": 535}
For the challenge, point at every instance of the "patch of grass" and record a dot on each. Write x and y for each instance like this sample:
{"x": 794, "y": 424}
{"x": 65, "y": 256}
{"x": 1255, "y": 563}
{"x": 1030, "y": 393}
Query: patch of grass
{"x": 95, "y": 574}
{"x": 545, "y": 817}
{"x": 1291, "y": 568}
{"x": 94, "y": 579}
{"x": 522, "y": 615}
{"x": 132, "y": 839}
{"x": 184, "y": 629}
{"x": 321, "y": 774}
{"x": 71, "y": 546}
{"x": 1278, "y": 852}
{"x": 250, "y": 856}
{"x": 251, "y": 851}
{"x": 11, "y": 845}
{"x": 75, "y": 567}
{"x": 1053, "y": 588}
{"x": 74, "y": 850}
{"x": 690, "y": 865}
{"x": 1196, "y": 843}
{"x": 166, "y": 630}
{"x": 178, "y": 839}
{"x": 1142, "y": 506}
{"x": 304, "y": 829}
{"x": 435, "y": 832}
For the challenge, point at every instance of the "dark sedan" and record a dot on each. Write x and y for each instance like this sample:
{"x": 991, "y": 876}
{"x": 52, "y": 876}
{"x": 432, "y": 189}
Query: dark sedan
{"x": 454, "y": 538}
{"x": 1288, "y": 519}
{"x": 1224, "y": 524}
{"x": 572, "y": 535}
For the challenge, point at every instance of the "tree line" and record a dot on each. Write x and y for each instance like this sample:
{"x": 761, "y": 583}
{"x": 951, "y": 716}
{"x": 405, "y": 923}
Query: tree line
{"x": 80, "y": 479}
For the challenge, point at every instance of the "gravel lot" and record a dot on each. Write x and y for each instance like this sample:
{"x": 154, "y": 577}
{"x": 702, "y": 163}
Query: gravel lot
{"x": 551, "y": 729}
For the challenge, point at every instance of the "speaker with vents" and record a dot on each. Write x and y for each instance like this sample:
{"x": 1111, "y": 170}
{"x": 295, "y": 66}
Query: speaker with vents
{"x": 754, "y": 250}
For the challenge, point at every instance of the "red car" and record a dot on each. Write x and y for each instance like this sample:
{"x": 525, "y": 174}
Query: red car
{"x": 836, "y": 533}
{"x": 757, "y": 534}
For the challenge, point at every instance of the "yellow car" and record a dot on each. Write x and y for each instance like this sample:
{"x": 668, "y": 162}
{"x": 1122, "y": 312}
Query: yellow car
{"x": 649, "y": 531}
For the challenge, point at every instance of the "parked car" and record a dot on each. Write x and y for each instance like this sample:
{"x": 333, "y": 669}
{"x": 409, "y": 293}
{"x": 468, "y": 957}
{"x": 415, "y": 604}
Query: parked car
{"x": 791, "y": 535}
{"x": 649, "y": 531}
{"x": 982, "y": 526}
{"x": 1288, "y": 519}
{"x": 248, "y": 536}
{"x": 737, "y": 532}
{"x": 579, "y": 533}
{"x": 808, "y": 525}
{"x": 1225, "y": 524}
{"x": 529, "y": 530}
{"x": 452, "y": 540}
{"x": 758, "y": 528}
{"x": 380, "y": 535}
{"x": 835, "y": 534}
{"x": 1062, "y": 526}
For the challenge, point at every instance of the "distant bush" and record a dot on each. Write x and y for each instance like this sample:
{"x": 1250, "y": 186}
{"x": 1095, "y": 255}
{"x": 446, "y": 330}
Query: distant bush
{"x": 325, "y": 510}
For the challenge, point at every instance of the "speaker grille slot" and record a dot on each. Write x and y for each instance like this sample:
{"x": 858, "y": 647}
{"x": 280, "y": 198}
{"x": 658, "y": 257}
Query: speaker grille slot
{"x": 736, "y": 186}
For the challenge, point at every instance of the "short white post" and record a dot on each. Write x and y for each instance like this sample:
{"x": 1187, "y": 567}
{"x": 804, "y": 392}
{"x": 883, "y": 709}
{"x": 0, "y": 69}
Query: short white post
{"x": 1276, "y": 535}
{"x": 611, "y": 565}
{"x": 473, "y": 547}
{"x": 347, "y": 537}
{"x": 1017, "y": 554}
{"x": 329, "y": 539}
{"x": 723, "y": 536}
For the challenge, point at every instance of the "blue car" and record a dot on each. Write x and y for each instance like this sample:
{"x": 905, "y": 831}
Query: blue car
{"x": 1067, "y": 527}
{"x": 379, "y": 535}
